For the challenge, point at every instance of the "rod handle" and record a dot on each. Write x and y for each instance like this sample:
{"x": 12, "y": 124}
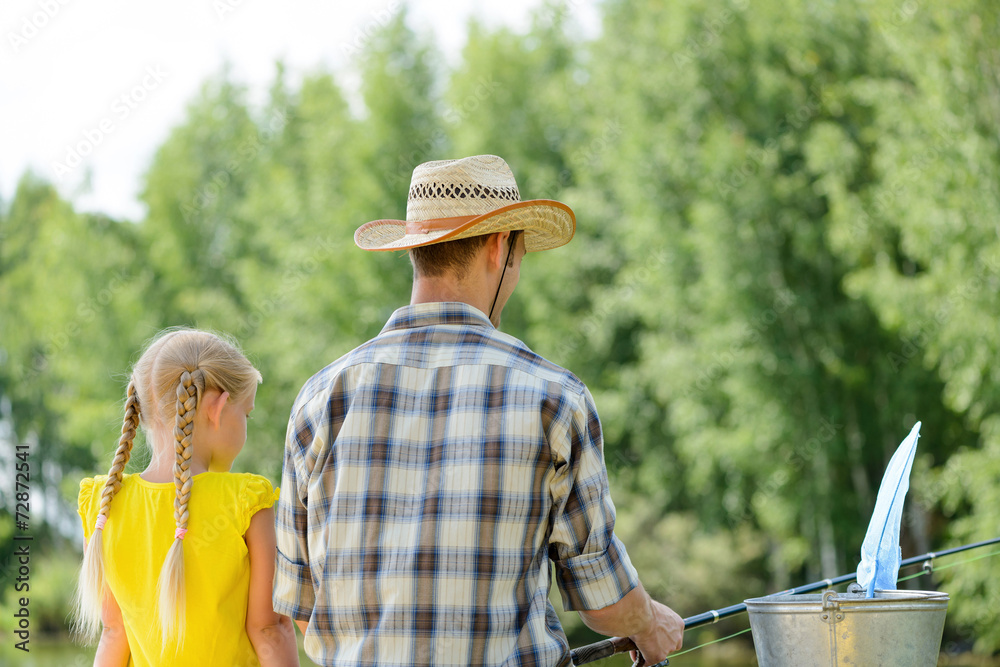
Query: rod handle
{"x": 601, "y": 650}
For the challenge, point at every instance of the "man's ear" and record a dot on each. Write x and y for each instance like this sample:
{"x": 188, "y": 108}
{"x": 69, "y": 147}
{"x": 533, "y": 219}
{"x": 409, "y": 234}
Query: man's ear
{"x": 212, "y": 404}
{"x": 498, "y": 250}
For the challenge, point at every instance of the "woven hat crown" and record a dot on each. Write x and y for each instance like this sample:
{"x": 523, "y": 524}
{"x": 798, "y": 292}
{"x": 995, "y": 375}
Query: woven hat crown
{"x": 452, "y": 188}
{"x": 472, "y": 196}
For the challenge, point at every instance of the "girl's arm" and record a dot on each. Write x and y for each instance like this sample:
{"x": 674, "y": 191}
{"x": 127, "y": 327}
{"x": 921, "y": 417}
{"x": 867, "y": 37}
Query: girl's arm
{"x": 271, "y": 633}
{"x": 113, "y": 650}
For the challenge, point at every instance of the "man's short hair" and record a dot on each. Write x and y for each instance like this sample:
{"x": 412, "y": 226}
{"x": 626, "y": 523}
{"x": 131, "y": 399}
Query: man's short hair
{"x": 438, "y": 259}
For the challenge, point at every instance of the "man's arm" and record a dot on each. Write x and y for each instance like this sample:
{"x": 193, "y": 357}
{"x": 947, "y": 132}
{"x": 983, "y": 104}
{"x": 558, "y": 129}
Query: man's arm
{"x": 655, "y": 628}
{"x": 293, "y": 594}
{"x": 592, "y": 565}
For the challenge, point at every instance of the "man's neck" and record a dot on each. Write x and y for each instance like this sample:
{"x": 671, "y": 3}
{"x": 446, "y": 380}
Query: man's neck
{"x": 441, "y": 289}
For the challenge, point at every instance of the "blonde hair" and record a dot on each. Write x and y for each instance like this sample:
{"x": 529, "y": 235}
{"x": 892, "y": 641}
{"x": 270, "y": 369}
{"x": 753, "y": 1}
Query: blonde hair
{"x": 168, "y": 381}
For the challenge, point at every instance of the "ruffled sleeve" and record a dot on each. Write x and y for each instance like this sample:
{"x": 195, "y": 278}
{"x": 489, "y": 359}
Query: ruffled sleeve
{"x": 258, "y": 494}
{"x": 87, "y": 503}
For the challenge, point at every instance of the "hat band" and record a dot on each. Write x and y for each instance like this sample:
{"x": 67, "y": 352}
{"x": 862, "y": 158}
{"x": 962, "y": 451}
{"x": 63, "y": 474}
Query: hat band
{"x": 438, "y": 224}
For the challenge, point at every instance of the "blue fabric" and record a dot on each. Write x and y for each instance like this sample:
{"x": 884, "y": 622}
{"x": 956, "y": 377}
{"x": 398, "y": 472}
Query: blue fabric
{"x": 880, "y": 553}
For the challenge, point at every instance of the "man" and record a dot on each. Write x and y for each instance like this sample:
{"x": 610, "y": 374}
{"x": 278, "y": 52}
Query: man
{"x": 434, "y": 474}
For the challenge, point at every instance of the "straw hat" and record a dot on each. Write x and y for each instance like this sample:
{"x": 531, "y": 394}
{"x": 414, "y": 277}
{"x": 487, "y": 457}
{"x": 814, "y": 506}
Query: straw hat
{"x": 473, "y": 196}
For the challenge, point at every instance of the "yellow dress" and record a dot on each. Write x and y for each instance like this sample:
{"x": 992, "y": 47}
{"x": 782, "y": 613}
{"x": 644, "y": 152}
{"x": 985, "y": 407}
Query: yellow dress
{"x": 138, "y": 533}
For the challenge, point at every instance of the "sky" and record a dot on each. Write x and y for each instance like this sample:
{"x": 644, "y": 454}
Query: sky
{"x": 89, "y": 90}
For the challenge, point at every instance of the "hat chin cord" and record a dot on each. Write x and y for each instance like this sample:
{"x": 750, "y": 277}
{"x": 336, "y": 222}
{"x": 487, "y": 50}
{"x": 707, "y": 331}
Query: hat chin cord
{"x": 510, "y": 249}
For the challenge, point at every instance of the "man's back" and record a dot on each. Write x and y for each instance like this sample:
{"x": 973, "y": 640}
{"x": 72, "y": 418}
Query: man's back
{"x": 437, "y": 469}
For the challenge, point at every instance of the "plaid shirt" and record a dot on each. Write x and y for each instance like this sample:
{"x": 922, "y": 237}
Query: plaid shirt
{"x": 432, "y": 475}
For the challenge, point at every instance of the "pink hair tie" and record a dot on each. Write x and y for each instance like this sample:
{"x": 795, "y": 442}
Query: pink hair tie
{"x": 180, "y": 533}
{"x": 101, "y": 520}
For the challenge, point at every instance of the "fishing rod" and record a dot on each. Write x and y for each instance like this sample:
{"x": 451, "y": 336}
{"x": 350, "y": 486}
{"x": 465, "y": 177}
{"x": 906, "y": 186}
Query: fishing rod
{"x": 609, "y": 647}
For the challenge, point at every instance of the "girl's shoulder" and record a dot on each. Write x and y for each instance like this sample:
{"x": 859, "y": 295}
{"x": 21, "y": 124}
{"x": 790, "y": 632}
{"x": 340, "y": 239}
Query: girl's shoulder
{"x": 91, "y": 483}
{"x": 234, "y": 480}
{"x": 93, "y": 487}
{"x": 89, "y": 487}
{"x": 98, "y": 481}
{"x": 90, "y": 490}
{"x": 89, "y": 499}
{"x": 247, "y": 492}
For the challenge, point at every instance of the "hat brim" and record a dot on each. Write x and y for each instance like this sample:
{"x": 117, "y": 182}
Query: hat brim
{"x": 546, "y": 224}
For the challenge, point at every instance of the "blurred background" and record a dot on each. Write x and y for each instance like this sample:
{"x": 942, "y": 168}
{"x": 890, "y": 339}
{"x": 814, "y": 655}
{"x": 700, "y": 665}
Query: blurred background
{"x": 787, "y": 253}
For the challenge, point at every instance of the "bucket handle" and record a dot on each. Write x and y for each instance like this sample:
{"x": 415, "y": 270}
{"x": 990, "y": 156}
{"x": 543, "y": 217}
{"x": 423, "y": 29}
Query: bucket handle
{"x": 831, "y": 608}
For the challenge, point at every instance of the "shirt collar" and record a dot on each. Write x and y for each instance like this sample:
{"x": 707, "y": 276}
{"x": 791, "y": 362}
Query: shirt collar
{"x": 437, "y": 313}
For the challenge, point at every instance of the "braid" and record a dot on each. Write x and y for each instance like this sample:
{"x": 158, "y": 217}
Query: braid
{"x": 91, "y": 585}
{"x": 124, "y": 451}
{"x": 171, "y": 584}
{"x": 187, "y": 400}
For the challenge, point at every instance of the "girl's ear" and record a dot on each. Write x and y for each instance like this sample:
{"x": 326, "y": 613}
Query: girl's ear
{"x": 213, "y": 403}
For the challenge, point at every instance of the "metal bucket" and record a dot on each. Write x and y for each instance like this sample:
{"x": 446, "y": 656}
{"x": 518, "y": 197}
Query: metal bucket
{"x": 893, "y": 629}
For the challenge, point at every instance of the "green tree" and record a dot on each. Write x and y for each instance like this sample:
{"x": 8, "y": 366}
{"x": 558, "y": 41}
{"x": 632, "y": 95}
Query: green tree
{"x": 739, "y": 381}
{"x": 518, "y": 96}
{"x": 192, "y": 191}
{"x": 919, "y": 234}
{"x": 68, "y": 289}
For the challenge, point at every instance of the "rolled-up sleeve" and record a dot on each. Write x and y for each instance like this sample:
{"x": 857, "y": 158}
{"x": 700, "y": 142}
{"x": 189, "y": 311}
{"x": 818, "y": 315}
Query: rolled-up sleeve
{"x": 593, "y": 569}
{"x": 294, "y": 594}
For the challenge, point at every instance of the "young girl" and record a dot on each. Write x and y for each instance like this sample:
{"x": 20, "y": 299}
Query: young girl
{"x": 179, "y": 560}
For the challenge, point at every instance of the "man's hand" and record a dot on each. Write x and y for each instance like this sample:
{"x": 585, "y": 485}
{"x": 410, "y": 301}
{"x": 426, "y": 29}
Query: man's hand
{"x": 655, "y": 628}
{"x": 664, "y": 635}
